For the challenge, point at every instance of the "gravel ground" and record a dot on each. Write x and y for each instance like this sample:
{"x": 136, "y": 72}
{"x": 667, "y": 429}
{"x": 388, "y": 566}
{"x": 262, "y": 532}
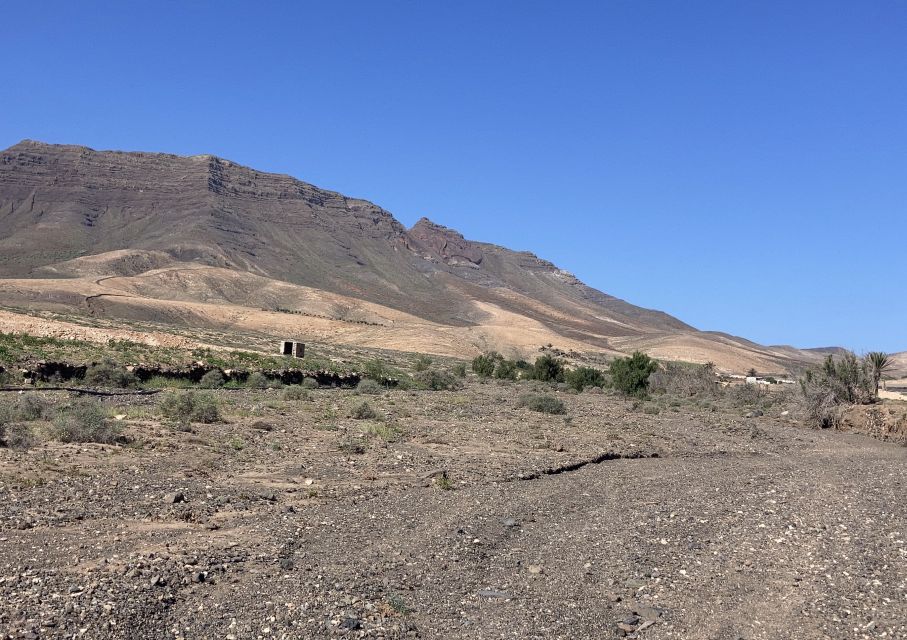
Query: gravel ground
{"x": 464, "y": 516}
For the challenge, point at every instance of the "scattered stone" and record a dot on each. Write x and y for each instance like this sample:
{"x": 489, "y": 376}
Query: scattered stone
{"x": 351, "y": 624}
{"x": 494, "y": 593}
{"x": 646, "y": 612}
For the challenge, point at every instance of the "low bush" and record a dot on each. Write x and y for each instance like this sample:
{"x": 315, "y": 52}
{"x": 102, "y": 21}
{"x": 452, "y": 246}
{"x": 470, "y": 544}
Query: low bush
{"x": 542, "y": 403}
{"x": 296, "y": 392}
{"x": 506, "y": 370}
{"x": 6, "y": 416}
{"x": 363, "y": 411}
{"x": 547, "y": 368}
{"x": 85, "y": 420}
{"x": 747, "y": 395}
{"x": 258, "y": 380}
{"x": 189, "y": 406}
{"x": 434, "y": 380}
{"x": 309, "y": 383}
{"x": 377, "y": 370}
{"x": 17, "y": 436}
{"x": 368, "y": 386}
{"x": 422, "y": 363}
{"x": 387, "y": 432}
{"x": 583, "y": 377}
{"x": 213, "y": 379}
{"x": 350, "y": 446}
{"x": 838, "y": 383}
{"x": 630, "y": 375}
{"x": 108, "y": 374}
{"x": 163, "y": 382}
{"x": 484, "y": 365}
{"x": 32, "y": 407}
{"x": 459, "y": 370}
{"x": 685, "y": 380}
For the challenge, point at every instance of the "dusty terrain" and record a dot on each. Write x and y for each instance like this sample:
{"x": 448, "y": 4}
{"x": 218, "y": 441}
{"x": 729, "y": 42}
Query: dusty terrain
{"x": 292, "y": 519}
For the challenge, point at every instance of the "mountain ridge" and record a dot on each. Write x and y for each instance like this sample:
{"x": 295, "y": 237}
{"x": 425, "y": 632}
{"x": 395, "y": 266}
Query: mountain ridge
{"x": 70, "y": 212}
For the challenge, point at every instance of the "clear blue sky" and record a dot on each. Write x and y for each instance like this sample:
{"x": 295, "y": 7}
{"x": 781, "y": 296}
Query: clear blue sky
{"x": 741, "y": 165}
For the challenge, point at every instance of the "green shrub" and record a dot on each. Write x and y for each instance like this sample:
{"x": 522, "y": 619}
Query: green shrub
{"x": 367, "y": 386}
{"x": 484, "y": 365}
{"x": 506, "y": 370}
{"x": 213, "y": 379}
{"x": 459, "y": 370}
{"x": 838, "y": 383}
{"x": 547, "y": 368}
{"x": 309, "y": 383}
{"x": 363, "y": 411}
{"x": 543, "y": 403}
{"x": 108, "y": 374}
{"x": 85, "y": 420}
{"x": 189, "y": 406}
{"x": 848, "y": 378}
{"x": 258, "y": 380}
{"x": 350, "y": 446}
{"x": 630, "y": 375}
{"x": 377, "y": 370}
{"x": 434, "y": 380}
{"x": 31, "y": 407}
{"x": 583, "y": 377}
{"x": 387, "y": 432}
{"x": 296, "y": 392}
{"x": 422, "y": 363}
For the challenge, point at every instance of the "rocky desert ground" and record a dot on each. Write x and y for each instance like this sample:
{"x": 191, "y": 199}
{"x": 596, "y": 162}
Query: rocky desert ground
{"x": 453, "y": 514}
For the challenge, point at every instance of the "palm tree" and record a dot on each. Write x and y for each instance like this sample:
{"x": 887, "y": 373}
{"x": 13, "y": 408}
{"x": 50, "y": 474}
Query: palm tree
{"x": 879, "y": 364}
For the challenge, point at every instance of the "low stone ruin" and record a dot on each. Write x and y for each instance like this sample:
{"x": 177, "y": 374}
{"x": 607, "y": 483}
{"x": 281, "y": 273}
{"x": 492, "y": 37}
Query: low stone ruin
{"x": 292, "y": 348}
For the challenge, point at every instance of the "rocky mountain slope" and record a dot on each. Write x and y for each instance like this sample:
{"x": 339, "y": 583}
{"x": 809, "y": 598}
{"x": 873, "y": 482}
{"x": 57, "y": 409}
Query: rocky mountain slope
{"x": 159, "y": 236}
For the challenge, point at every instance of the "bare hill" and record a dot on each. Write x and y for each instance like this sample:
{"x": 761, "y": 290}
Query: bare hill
{"x": 165, "y": 237}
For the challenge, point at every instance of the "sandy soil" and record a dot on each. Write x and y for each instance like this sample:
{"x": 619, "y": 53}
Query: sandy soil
{"x": 47, "y": 327}
{"x": 193, "y": 296}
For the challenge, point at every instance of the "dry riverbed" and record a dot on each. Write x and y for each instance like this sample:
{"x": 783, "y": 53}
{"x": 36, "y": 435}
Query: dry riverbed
{"x": 454, "y": 514}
